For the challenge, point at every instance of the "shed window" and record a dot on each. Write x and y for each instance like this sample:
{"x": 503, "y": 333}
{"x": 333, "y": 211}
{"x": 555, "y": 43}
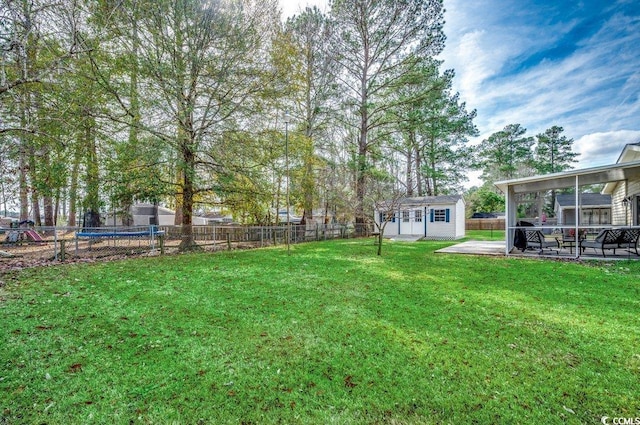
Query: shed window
{"x": 418, "y": 216}
{"x": 405, "y": 216}
{"x": 441, "y": 215}
{"x": 387, "y": 217}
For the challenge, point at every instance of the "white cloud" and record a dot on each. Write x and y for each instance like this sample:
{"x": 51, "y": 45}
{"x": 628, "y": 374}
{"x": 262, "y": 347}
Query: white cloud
{"x": 593, "y": 92}
{"x": 475, "y": 62}
{"x": 605, "y": 147}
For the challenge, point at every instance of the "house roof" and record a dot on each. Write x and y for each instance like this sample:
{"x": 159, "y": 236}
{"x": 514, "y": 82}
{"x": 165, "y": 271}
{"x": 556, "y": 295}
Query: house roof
{"x": 585, "y": 176}
{"x": 631, "y": 152}
{"x": 586, "y": 200}
{"x": 149, "y": 209}
{"x": 628, "y": 153}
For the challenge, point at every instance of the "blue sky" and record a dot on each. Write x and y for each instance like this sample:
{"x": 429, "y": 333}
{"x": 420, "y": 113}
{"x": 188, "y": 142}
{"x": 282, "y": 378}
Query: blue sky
{"x": 542, "y": 63}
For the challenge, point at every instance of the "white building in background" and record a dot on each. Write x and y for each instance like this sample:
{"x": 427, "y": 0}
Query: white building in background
{"x": 432, "y": 217}
{"x": 595, "y": 208}
{"x": 149, "y": 214}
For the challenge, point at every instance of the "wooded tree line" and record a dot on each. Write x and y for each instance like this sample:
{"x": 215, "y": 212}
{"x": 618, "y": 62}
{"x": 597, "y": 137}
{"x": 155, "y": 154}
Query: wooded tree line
{"x": 106, "y": 103}
{"x": 509, "y": 154}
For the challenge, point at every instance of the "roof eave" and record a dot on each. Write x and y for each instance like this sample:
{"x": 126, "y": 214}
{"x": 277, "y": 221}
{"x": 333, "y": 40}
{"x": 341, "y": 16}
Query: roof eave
{"x": 586, "y": 176}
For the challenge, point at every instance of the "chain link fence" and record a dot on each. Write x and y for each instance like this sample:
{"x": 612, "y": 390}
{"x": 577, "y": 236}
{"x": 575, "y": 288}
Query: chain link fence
{"x": 26, "y": 247}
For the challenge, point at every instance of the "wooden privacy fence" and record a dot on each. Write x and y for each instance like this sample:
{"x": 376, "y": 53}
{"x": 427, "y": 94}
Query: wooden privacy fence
{"x": 485, "y": 224}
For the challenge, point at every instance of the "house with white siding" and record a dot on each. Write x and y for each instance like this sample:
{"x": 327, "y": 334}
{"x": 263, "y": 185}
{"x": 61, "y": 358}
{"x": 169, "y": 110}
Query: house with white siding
{"x": 430, "y": 217}
{"x": 625, "y": 194}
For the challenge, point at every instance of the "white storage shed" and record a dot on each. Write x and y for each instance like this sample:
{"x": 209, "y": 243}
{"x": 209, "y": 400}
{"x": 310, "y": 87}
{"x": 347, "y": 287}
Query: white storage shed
{"x": 431, "y": 217}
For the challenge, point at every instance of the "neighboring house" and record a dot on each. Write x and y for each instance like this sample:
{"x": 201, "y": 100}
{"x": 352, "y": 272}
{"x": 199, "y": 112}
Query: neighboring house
{"x": 595, "y": 208}
{"x": 282, "y": 217}
{"x": 432, "y": 217}
{"x": 149, "y": 214}
{"x": 625, "y": 194}
{"x": 322, "y": 216}
{"x": 217, "y": 218}
{"x": 9, "y": 222}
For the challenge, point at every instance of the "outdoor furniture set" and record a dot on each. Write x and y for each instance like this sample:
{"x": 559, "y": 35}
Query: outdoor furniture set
{"x": 606, "y": 240}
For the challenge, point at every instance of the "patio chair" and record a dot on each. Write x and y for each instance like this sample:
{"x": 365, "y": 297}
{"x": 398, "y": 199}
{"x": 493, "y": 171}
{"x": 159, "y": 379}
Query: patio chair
{"x": 568, "y": 239}
{"x": 536, "y": 240}
{"x": 629, "y": 239}
{"x": 606, "y": 239}
{"x": 520, "y": 237}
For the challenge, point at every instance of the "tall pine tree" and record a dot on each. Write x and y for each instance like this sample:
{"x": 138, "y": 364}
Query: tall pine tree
{"x": 506, "y": 154}
{"x": 553, "y": 152}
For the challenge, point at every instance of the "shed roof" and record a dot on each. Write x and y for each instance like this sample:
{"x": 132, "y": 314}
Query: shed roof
{"x": 420, "y": 201}
{"x": 432, "y": 200}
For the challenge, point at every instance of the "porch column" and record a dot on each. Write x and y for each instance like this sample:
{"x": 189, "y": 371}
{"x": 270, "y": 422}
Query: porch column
{"x": 576, "y": 235}
{"x": 510, "y": 215}
{"x": 424, "y": 221}
{"x": 540, "y": 202}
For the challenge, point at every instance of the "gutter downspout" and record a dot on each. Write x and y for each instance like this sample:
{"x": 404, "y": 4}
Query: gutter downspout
{"x": 424, "y": 218}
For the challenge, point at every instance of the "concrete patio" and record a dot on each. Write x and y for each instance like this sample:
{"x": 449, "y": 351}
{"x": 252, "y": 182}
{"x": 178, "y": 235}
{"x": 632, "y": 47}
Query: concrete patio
{"x": 497, "y": 248}
{"x": 476, "y": 248}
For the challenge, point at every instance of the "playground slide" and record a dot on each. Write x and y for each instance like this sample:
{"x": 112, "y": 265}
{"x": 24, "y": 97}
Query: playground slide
{"x": 33, "y": 235}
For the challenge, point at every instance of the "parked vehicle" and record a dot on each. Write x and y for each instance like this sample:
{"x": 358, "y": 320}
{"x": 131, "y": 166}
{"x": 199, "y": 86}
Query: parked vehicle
{"x": 483, "y": 215}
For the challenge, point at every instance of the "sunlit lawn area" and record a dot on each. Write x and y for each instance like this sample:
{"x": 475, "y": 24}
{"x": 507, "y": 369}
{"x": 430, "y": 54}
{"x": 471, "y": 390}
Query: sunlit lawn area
{"x": 331, "y": 334}
{"x": 485, "y": 235}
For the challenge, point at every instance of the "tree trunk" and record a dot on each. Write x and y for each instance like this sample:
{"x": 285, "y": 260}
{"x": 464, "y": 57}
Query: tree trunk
{"x": 361, "y": 179}
{"x": 23, "y": 164}
{"x": 363, "y": 150}
{"x": 47, "y": 203}
{"x": 126, "y": 204}
{"x": 56, "y": 207}
{"x": 73, "y": 184}
{"x": 92, "y": 199}
{"x": 434, "y": 178}
{"x": 47, "y": 197}
{"x": 179, "y": 197}
{"x": 24, "y": 188}
{"x": 409, "y": 178}
{"x": 308, "y": 185}
{"x": 25, "y": 118}
{"x": 188, "y": 158}
{"x": 419, "y": 173}
{"x": 35, "y": 198}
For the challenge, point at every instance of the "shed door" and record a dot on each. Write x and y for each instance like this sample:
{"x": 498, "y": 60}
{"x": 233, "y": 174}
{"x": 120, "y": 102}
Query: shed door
{"x": 411, "y": 221}
{"x": 417, "y": 224}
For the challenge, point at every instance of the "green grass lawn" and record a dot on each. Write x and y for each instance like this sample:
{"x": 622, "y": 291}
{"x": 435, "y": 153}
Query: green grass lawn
{"x": 485, "y": 235}
{"x": 331, "y": 334}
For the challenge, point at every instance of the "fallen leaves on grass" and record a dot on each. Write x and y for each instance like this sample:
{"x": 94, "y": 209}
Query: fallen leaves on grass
{"x": 348, "y": 382}
{"x": 75, "y": 368}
